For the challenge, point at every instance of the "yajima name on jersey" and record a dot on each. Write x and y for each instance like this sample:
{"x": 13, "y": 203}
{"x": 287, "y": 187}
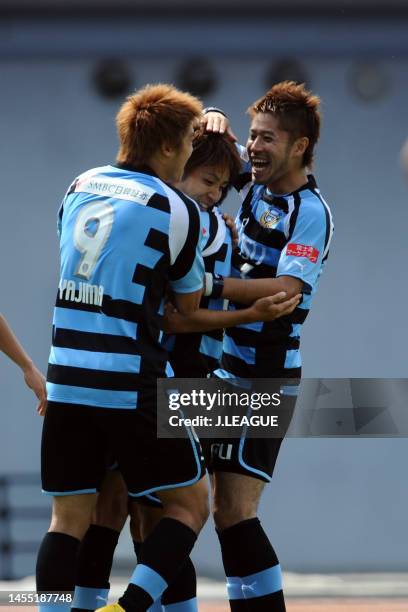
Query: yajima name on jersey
{"x": 80, "y": 292}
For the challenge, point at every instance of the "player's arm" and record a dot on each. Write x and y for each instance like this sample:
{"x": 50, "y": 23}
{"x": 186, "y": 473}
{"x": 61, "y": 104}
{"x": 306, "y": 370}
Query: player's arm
{"x": 203, "y": 320}
{"x": 246, "y": 291}
{"x": 299, "y": 263}
{"x": 308, "y": 245}
{"x": 214, "y": 120}
{"x": 11, "y": 347}
{"x": 187, "y": 303}
{"x": 186, "y": 271}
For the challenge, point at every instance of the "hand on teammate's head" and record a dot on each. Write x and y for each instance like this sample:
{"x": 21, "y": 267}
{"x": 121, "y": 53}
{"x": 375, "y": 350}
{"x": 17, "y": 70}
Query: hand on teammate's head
{"x": 218, "y": 123}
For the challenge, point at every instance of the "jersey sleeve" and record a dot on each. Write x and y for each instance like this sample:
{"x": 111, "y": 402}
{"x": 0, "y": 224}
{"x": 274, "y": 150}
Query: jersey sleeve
{"x": 307, "y": 246}
{"x": 59, "y": 219}
{"x": 185, "y": 238}
{"x": 70, "y": 190}
{"x": 243, "y": 182}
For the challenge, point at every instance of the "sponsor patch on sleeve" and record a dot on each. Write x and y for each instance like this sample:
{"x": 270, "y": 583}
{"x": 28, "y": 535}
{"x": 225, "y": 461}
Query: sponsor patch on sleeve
{"x": 121, "y": 189}
{"x": 302, "y": 250}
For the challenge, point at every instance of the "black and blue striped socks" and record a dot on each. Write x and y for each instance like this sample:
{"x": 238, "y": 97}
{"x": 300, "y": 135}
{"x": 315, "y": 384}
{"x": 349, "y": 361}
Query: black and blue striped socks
{"x": 56, "y": 565}
{"x": 161, "y": 558}
{"x": 254, "y": 577}
{"x": 181, "y": 594}
{"x": 94, "y": 567}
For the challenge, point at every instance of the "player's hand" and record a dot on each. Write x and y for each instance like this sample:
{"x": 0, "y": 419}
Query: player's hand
{"x": 273, "y": 307}
{"x": 36, "y": 381}
{"x": 230, "y": 223}
{"x": 172, "y": 319}
{"x": 217, "y": 123}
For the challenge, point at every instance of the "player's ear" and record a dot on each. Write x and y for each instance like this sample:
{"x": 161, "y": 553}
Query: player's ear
{"x": 167, "y": 150}
{"x": 299, "y": 146}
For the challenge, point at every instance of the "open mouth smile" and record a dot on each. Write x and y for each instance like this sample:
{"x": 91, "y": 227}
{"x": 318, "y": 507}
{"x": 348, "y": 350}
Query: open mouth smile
{"x": 258, "y": 164}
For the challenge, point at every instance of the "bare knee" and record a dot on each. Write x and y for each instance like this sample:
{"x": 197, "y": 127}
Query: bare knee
{"x": 228, "y": 515}
{"x": 143, "y": 519}
{"x": 189, "y": 505}
{"x": 236, "y": 499}
{"x": 71, "y": 514}
{"x": 195, "y": 518}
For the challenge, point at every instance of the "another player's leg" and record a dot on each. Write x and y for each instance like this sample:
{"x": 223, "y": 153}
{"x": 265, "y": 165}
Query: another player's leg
{"x": 71, "y": 472}
{"x": 135, "y": 526}
{"x": 136, "y": 529}
{"x": 252, "y": 568}
{"x": 167, "y": 548}
{"x": 181, "y": 594}
{"x": 99, "y": 543}
{"x": 167, "y": 467}
{"x": 56, "y": 561}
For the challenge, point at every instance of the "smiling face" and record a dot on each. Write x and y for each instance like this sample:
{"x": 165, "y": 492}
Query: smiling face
{"x": 206, "y": 184}
{"x": 271, "y": 151}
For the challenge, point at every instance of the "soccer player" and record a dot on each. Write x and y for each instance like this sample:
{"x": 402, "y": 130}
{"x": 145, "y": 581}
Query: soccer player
{"x": 285, "y": 229}
{"x": 210, "y": 171}
{"x": 124, "y": 234}
{"x": 213, "y": 165}
{"x": 11, "y": 347}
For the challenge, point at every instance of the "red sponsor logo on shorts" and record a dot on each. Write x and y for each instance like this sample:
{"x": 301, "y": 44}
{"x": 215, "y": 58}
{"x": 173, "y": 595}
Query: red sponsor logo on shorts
{"x": 302, "y": 250}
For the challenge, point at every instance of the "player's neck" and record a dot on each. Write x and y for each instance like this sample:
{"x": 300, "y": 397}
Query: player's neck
{"x": 162, "y": 167}
{"x": 289, "y": 183}
{"x": 160, "y": 170}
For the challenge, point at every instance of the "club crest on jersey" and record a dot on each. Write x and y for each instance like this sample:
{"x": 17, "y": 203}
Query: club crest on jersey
{"x": 269, "y": 219}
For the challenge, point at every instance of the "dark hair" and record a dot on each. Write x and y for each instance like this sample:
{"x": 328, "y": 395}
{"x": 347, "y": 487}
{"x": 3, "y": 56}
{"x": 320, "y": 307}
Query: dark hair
{"x": 297, "y": 111}
{"x": 152, "y": 116}
{"x": 212, "y": 149}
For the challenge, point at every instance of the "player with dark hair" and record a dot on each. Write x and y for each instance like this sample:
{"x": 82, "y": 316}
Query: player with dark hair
{"x": 211, "y": 170}
{"x": 124, "y": 234}
{"x": 33, "y": 378}
{"x": 213, "y": 165}
{"x": 285, "y": 229}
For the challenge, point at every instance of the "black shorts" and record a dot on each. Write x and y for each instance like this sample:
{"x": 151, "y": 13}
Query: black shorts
{"x": 78, "y": 443}
{"x": 254, "y": 457}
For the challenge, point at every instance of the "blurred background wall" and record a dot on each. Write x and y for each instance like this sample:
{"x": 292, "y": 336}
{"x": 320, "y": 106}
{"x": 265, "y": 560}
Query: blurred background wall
{"x": 334, "y": 505}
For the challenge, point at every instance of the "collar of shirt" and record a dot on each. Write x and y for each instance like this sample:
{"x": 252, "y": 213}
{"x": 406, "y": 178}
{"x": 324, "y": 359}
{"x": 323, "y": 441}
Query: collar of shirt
{"x": 143, "y": 168}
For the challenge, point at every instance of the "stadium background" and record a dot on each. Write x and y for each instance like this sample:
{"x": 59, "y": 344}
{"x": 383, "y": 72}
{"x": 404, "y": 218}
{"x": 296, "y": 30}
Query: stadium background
{"x": 334, "y": 505}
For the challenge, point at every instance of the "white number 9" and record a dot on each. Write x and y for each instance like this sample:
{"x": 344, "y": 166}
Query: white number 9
{"x": 92, "y": 229}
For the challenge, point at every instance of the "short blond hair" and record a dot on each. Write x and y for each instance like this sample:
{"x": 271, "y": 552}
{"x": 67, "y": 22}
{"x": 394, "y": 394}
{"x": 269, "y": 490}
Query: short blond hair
{"x": 153, "y": 116}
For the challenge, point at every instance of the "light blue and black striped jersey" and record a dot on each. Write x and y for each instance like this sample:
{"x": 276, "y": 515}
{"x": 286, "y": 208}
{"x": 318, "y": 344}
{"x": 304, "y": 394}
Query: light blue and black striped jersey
{"x": 197, "y": 354}
{"x": 278, "y": 235}
{"x": 124, "y": 236}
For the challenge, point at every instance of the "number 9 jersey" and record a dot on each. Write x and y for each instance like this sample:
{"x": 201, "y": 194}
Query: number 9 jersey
{"x": 125, "y": 236}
